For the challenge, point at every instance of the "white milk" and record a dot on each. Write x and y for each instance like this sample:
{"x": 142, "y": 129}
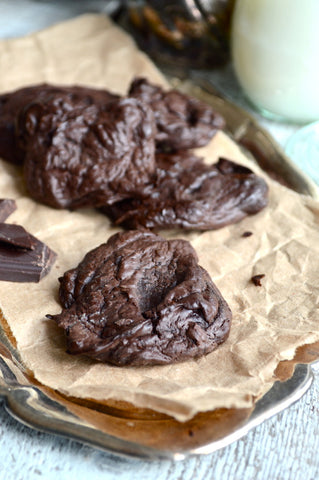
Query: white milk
{"x": 275, "y": 48}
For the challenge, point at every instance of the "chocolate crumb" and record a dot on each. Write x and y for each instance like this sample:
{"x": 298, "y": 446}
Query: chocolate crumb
{"x": 256, "y": 279}
{"x": 247, "y": 234}
{"x": 190, "y": 433}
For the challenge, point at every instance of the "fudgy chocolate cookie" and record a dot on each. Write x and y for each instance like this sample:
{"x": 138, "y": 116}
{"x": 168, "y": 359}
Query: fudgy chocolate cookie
{"x": 191, "y": 195}
{"x": 182, "y": 122}
{"x": 87, "y": 156}
{"x": 11, "y": 104}
{"x": 141, "y": 300}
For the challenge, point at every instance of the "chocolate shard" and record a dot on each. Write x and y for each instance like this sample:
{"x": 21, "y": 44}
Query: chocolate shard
{"x": 24, "y": 265}
{"x": 16, "y": 236}
{"x": 7, "y": 206}
{"x": 256, "y": 279}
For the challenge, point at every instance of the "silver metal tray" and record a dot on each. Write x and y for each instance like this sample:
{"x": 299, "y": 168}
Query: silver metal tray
{"x": 122, "y": 428}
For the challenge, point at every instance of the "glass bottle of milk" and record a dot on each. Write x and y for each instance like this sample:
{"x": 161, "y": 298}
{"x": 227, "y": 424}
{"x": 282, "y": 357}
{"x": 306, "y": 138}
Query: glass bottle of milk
{"x": 275, "y": 51}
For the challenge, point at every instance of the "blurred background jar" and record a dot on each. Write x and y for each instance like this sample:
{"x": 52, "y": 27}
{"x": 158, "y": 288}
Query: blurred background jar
{"x": 182, "y": 34}
{"x": 275, "y": 55}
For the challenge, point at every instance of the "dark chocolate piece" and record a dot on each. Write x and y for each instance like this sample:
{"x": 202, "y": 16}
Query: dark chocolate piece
{"x": 182, "y": 121}
{"x": 87, "y": 156}
{"x": 141, "y": 300}
{"x": 256, "y": 279}
{"x": 13, "y": 103}
{"x": 191, "y": 195}
{"x": 16, "y": 236}
{"x": 24, "y": 265}
{"x": 247, "y": 234}
{"x": 7, "y": 206}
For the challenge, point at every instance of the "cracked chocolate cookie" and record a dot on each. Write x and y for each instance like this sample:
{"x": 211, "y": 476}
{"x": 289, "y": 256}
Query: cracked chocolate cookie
{"x": 87, "y": 156}
{"x": 182, "y": 122}
{"x": 11, "y": 104}
{"x": 191, "y": 195}
{"x": 141, "y": 300}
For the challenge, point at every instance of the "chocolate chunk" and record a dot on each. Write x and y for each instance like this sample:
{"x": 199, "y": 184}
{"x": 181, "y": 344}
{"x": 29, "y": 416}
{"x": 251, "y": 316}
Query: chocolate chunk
{"x": 15, "y": 235}
{"x": 19, "y": 264}
{"x": 7, "y": 206}
{"x": 182, "y": 121}
{"x": 256, "y": 279}
{"x": 87, "y": 156}
{"x": 191, "y": 195}
{"x": 13, "y": 103}
{"x": 141, "y": 300}
{"x": 247, "y": 234}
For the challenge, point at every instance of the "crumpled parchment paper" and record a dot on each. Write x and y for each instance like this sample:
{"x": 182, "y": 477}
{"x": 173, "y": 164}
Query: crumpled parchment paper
{"x": 269, "y": 322}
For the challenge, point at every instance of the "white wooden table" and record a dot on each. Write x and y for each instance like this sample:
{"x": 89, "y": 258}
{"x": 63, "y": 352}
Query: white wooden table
{"x": 286, "y": 447}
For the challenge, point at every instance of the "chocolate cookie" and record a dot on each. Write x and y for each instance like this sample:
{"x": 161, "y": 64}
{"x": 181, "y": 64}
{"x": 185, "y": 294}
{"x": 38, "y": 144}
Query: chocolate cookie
{"x": 191, "y": 195}
{"x": 182, "y": 122}
{"x": 141, "y": 300}
{"x": 87, "y": 156}
{"x": 11, "y": 104}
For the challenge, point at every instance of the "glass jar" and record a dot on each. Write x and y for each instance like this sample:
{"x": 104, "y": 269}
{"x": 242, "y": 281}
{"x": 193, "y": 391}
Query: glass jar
{"x": 274, "y": 47}
{"x": 182, "y": 33}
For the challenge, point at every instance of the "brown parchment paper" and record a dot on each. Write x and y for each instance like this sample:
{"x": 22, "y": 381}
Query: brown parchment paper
{"x": 269, "y": 322}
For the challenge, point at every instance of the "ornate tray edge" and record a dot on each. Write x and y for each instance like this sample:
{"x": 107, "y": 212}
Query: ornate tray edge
{"x": 30, "y": 405}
